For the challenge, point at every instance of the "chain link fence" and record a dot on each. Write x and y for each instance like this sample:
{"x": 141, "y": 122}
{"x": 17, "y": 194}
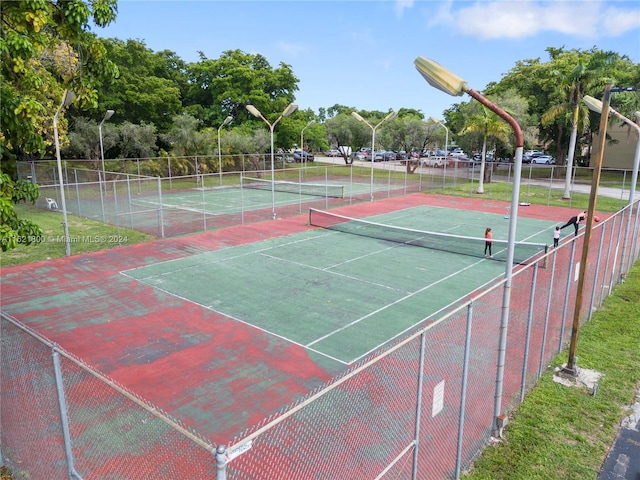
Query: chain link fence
{"x": 421, "y": 408}
{"x": 170, "y": 204}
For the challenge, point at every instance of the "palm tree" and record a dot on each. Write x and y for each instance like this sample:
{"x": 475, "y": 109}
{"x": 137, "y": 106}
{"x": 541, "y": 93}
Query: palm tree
{"x": 586, "y": 76}
{"x": 487, "y": 124}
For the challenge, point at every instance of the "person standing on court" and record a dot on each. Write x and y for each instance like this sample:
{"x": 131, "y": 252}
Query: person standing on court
{"x": 575, "y": 221}
{"x": 488, "y": 239}
{"x": 556, "y": 237}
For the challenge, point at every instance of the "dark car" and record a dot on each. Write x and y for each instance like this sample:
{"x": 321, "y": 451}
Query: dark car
{"x": 302, "y": 156}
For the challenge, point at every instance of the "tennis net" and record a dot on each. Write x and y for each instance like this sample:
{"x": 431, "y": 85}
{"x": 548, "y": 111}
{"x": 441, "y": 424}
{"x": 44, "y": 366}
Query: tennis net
{"x": 524, "y": 252}
{"x": 315, "y": 189}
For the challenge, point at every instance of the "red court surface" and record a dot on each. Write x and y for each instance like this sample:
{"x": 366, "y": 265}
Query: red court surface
{"x": 212, "y": 373}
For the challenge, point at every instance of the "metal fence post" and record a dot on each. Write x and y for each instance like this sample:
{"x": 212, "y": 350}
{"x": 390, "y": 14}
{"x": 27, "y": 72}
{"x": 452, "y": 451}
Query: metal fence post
{"x": 565, "y": 306}
{"x": 221, "y": 463}
{"x": 416, "y": 437}
{"x": 160, "y": 218}
{"x": 547, "y": 314}
{"x": 463, "y": 390}
{"x": 597, "y": 272}
{"x": 64, "y": 420}
{"x": 527, "y": 341}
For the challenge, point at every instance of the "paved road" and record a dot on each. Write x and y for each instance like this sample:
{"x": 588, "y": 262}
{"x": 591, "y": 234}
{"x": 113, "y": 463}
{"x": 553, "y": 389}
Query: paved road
{"x": 556, "y": 184}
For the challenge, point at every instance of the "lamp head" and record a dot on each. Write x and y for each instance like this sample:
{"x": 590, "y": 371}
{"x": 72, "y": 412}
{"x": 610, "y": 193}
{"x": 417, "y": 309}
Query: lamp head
{"x": 439, "y": 77}
{"x": 357, "y": 116}
{"x": 311, "y": 122}
{"x": 292, "y": 107}
{"x": 254, "y": 111}
{"x": 108, "y": 115}
{"x": 434, "y": 119}
{"x": 227, "y": 120}
{"x": 390, "y": 116}
{"x": 594, "y": 104}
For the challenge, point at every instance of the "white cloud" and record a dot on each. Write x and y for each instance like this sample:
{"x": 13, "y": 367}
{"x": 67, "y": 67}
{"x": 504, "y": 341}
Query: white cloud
{"x": 401, "y": 6}
{"x": 521, "y": 19}
{"x": 617, "y": 22}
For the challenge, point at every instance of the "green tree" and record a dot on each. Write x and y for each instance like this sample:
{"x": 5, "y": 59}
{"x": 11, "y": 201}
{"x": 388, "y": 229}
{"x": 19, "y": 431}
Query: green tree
{"x": 45, "y": 48}
{"x": 224, "y": 86}
{"x": 584, "y": 77}
{"x": 149, "y": 88}
{"x": 345, "y": 131}
{"x": 488, "y": 125}
{"x": 14, "y": 230}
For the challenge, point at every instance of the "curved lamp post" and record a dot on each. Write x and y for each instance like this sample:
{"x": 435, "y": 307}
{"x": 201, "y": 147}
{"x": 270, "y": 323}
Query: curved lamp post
{"x": 303, "y": 156}
{"x": 439, "y": 77}
{"x": 107, "y": 116}
{"x": 256, "y": 113}
{"x": 446, "y": 146}
{"x": 66, "y": 101}
{"x": 373, "y": 139}
{"x": 595, "y": 105}
{"x": 226, "y": 121}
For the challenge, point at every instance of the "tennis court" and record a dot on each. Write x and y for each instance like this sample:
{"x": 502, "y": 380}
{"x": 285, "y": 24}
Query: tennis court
{"x": 223, "y": 329}
{"x": 344, "y": 295}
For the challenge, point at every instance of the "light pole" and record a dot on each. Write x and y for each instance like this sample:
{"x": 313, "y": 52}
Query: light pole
{"x": 571, "y": 367}
{"x": 302, "y": 155}
{"x": 256, "y": 113}
{"x": 226, "y": 121}
{"x": 596, "y": 106}
{"x": 66, "y": 101}
{"x": 446, "y": 147}
{"x": 373, "y": 139}
{"x": 439, "y": 77}
{"x": 107, "y": 116}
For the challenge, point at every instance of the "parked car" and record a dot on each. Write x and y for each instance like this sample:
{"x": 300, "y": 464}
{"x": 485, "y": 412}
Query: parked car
{"x": 436, "y": 162}
{"x": 389, "y": 155}
{"x": 544, "y": 159}
{"x": 457, "y": 152}
{"x": 302, "y": 156}
{"x": 379, "y": 156}
{"x": 401, "y": 155}
{"x": 334, "y": 152}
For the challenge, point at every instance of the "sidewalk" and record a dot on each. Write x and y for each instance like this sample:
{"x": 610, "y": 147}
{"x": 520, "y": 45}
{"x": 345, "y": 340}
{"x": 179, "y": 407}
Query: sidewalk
{"x": 623, "y": 460}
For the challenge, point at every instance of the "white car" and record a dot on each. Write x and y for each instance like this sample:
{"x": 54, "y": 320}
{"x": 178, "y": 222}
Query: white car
{"x": 544, "y": 159}
{"x": 436, "y": 162}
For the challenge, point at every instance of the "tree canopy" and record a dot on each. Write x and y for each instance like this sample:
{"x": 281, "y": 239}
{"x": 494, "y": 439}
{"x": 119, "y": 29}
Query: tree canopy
{"x": 46, "y": 48}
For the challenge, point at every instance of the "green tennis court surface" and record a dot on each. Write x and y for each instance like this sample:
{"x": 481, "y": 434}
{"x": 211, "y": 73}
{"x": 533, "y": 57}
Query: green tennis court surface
{"x": 231, "y": 200}
{"x": 338, "y": 294}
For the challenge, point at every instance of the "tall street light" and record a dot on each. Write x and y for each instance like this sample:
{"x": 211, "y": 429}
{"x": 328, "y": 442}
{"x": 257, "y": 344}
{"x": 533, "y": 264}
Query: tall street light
{"x": 303, "y": 157}
{"x": 226, "y": 121}
{"x": 439, "y": 77}
{"x": 373, "y": 139}
{"x": 596, "y": 106}
{"x": 66, "y": 101}
{"x": 107, "y": 116}
{"x": 256, "y": 113}
{"x": 446, "y": 146}
{"x": 571, "y": 367}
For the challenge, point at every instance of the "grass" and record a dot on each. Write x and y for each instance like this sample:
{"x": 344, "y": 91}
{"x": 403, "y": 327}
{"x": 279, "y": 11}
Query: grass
{"x": 532, "y": 194}
{"x": 86, "y": 236}
{"x": 558, "y": 432}
{"x": 564, "y": 433}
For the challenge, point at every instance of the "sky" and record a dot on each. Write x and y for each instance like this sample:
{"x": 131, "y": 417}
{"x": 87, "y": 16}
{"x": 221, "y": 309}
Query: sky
{"x": 361, "y": 53}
